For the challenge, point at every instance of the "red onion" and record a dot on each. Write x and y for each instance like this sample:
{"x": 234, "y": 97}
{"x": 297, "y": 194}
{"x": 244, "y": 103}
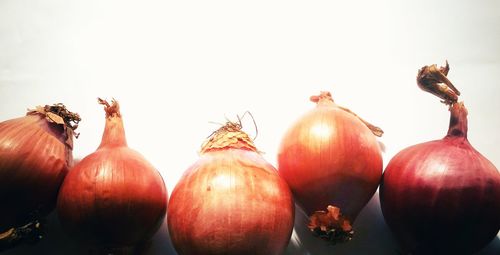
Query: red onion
{"x": 231, "y": 201}
{"x": 442, "y": 196}
{"x": 35, "y": 154}
{"x": 113, "y": 198}
{"x": 331, "y": 160}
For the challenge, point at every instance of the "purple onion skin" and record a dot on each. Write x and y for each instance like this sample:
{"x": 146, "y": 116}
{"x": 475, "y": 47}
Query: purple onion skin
{"x": 443, "y": 196}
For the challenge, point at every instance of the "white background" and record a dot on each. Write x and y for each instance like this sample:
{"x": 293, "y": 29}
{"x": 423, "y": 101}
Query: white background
{"x": 177, "y": 65}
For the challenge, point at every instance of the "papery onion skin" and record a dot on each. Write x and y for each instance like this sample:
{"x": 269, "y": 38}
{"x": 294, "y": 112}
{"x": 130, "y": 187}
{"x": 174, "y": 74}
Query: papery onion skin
{"x": 442, "y": 196}
{"x": 113, "y": 197}
{"x": 231, "y": 201}
{"x": 330, "y": 157}
{"x": 35, "y": 155}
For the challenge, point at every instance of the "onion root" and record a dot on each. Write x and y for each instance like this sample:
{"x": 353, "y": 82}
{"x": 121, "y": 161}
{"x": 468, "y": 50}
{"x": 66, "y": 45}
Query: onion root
{"x": 28, "y": 233}
{"x": 331, "y": 225}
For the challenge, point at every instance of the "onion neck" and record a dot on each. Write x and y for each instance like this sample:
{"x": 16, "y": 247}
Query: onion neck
{"x": 114, "y": 132}
{"x": 58, "y": 114}
{"x": 226, "y": 137}
{"x": 458, "y": 121}
{"x": 323, "y": 99}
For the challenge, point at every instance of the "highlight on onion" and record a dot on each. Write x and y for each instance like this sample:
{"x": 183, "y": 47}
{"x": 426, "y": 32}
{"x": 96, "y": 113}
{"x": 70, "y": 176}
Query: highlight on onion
{"x": 113, "y": 199}
{"x": 35, "y": 155}
{"x": 331, "y": 160}
{"x": 231, "y": 201}
{"x": 442, "y": 196}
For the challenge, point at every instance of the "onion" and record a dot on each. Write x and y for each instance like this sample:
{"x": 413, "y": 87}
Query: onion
{"x": 331, "y": 160}
{"x": 35, "y": 154}
{"x": 231, "y": 201}
{"x": 442, "y": 196}
{"x": 113, "y": 198}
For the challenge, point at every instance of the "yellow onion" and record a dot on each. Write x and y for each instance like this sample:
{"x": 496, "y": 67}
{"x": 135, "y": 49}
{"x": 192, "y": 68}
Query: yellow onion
{"x": 113, "y": 198}
{"x": 35, "y": 155}
{"x": 331, "y": 160}
{"x": 230, "y": 201}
